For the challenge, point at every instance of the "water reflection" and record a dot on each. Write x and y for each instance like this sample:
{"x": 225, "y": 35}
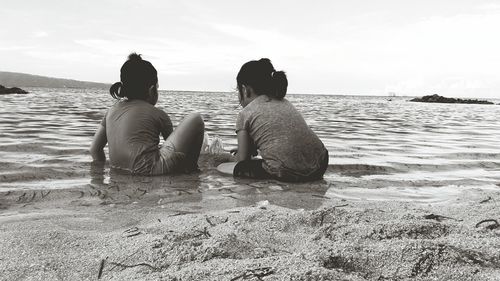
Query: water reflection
{"x": 206, "y": 189}
{"x": 117, "y": 187}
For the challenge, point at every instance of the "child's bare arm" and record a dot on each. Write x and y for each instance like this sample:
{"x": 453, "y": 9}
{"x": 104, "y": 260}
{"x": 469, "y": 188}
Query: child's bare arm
{"x": 166, "y": 127}
{"x": 165, "y": 132}
{"x": 98, "y": 144}
{"x": 246, "y": 146}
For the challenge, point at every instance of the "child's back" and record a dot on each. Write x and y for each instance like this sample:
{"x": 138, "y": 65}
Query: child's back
{"x": 285, "y": 141}
{"x": 133, "y": 129}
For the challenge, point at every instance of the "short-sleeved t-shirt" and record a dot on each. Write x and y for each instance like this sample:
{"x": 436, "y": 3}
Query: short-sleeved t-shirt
{"x": 280, "y": 133}
{"x": 133, "y": 128}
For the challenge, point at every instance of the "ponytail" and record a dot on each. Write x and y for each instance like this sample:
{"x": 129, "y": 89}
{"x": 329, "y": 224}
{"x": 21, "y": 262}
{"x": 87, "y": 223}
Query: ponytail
{"x": 115, "y": 90}
{"x": 280, "y": 84}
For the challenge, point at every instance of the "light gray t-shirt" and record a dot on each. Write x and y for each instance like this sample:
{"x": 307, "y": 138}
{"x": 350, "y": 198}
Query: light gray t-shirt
{"x": 133, "y": 128}
{"x": 282, "y": 136}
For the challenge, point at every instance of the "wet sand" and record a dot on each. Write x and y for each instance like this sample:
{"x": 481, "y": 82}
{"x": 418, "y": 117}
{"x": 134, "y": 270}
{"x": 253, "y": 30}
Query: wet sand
{"x": 265, "y": 232}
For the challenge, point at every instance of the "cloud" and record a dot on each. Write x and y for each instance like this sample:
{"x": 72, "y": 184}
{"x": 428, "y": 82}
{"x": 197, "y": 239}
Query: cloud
{"x": 66, "y": 57}
{"x": 489, "y": 6}
{"x": 326, "y": 46}
{"x": 170, "y": 56}
{"x": 40, "y": 34}
{"x": 16, "y": 48}
{"x": 104, "y": 46}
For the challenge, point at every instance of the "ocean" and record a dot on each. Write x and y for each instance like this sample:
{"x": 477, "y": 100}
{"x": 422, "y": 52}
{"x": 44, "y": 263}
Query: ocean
{"x": 380, "y": 148}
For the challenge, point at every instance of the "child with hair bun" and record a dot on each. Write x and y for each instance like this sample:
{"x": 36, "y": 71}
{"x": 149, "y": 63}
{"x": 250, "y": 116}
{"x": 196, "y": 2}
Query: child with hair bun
{"x": 133, "y": 125}
{"x": 269, "y": 123}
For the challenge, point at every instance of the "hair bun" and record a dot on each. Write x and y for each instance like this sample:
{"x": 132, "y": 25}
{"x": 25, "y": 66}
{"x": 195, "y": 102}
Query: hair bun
{"x": 134, "y": 57}
{"x": 265, "y": 61}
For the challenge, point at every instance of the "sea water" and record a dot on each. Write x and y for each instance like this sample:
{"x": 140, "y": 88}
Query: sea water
{"x": 380, "y": 148}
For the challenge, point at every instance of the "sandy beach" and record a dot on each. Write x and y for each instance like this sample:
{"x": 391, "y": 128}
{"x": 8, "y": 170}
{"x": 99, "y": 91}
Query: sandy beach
{"x": 151, "y": 233}
{"x": 403, "y": 95}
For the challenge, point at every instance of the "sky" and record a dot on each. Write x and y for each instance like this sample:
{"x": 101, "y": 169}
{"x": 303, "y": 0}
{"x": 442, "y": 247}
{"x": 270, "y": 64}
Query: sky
{"x": 447, "y": 47}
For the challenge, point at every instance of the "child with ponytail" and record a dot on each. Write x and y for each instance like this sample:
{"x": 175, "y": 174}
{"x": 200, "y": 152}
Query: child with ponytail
{"x": 269, "y": 123}
{"x": 133, "y": 125}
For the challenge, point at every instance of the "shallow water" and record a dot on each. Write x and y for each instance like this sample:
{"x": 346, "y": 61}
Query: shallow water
{"x": 379, "y": 149}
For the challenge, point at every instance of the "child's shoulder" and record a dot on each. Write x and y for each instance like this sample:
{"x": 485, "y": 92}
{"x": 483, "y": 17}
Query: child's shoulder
{"x": 267, "y": 104}
{"x": 136, "y": 106}
{"x": 158, "y": 111}
{"x": 257, "y": 103}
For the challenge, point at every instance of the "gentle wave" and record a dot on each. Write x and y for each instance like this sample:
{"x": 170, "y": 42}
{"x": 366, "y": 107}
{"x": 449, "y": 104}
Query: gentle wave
{"x": 373, "y": 143}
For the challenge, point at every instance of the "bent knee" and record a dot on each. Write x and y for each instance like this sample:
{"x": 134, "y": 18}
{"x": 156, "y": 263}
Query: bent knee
{"x": 196, "y": 120}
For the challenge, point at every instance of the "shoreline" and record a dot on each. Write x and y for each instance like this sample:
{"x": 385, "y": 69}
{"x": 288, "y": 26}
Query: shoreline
{"x": 58, "y": 237}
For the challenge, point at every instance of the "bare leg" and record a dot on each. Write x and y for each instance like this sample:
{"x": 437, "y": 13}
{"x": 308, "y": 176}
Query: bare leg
{"x": 188, "y": 138}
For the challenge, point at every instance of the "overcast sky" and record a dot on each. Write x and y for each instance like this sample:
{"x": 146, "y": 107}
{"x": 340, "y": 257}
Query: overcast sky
{"x": 450, "y": 47}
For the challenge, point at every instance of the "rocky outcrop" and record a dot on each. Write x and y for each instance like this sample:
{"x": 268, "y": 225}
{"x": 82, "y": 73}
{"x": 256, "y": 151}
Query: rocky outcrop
{"x": 441, "y": 99}
{"x": 14, "y": 90}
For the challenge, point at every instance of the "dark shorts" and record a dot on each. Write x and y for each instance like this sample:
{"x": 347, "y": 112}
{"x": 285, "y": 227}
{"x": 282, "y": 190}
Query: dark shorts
{"x": 253, "y": 169}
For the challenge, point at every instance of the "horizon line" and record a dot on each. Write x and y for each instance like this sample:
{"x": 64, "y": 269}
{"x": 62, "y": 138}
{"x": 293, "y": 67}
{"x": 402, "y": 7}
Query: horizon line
{"x": 389, "y": 94}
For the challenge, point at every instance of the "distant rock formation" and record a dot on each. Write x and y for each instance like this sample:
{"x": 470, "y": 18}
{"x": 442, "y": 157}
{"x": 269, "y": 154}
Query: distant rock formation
{"x": 10, "y": 79}
{"x": 14, "y": 90}
{"x": 441, "y": 99}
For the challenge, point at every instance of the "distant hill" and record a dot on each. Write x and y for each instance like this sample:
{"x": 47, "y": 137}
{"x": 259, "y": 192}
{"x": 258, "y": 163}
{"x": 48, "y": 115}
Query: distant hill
{"x": 14, "y": 79}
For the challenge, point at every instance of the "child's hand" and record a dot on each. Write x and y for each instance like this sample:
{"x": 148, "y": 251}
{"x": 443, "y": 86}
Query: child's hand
{"x": 234, "y": 151}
